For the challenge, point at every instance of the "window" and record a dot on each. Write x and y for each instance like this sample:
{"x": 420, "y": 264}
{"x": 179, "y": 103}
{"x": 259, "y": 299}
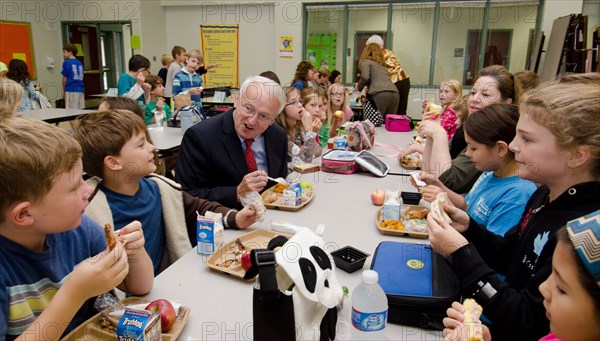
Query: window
{"x": 323, "y": 41}
{"x": 434, "y": 40}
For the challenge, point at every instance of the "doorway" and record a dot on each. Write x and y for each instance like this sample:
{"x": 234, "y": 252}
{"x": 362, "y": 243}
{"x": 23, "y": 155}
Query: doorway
{"x": 497, "y": 52}
{"x": 101, "y": 49}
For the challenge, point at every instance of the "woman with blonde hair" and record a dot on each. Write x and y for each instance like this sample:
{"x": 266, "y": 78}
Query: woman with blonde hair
{"x": 397, "y": 74}
{"x": 374, "y": 75}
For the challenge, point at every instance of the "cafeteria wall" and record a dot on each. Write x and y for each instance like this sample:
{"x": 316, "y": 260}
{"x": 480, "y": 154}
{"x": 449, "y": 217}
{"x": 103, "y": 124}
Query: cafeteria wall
{"x": 164, "y": 23}
{"x": 260, "y": 26}
{"x": 45, "y": 18}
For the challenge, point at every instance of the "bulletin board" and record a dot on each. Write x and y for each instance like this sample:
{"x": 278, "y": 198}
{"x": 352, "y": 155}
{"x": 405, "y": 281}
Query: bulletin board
{"x": 16, "y": 43}
{"x": 321, "y": 50}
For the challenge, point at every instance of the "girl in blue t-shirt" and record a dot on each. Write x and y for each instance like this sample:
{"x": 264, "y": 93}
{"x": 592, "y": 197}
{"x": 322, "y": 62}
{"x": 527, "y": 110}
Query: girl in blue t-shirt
{"x": 498, "y": 198}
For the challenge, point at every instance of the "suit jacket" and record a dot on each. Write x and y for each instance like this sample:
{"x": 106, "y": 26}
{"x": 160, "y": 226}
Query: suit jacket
{"x": 211, "y": 161}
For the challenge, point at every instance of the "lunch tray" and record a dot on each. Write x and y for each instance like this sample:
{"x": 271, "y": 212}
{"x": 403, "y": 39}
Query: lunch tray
{"x": 401, "y": 233}
{"x": 257, "y": 239}
{"x": 91, "y": 329}
{"x": 277, "y": 203}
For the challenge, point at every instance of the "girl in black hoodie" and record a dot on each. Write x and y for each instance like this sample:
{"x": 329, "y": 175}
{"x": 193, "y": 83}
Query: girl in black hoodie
{"x": 558, "y": 146}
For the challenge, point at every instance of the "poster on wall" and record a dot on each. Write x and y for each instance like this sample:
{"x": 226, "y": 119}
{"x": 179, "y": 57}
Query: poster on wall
{"x": 321, "y": 50}
{"x": 16, "y": 43}
{"x": 286, "y": 47}
{"x": 220, "y": 45}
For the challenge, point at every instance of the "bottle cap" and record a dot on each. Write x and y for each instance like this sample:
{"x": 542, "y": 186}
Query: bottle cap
{"x": 370, "y": 277}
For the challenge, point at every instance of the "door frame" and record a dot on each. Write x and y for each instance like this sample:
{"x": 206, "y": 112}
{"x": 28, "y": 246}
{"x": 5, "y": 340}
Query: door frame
{"x": 97, "y": 24}
{"x": 486, "y": 40}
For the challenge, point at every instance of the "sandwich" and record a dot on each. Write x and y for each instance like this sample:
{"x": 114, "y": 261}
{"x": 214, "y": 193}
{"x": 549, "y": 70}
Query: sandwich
{"x": 437, "y": 208}
{"x": 306, "y": 168}
{"x": 433, "y": 108}
{"x": 472, "y": 313}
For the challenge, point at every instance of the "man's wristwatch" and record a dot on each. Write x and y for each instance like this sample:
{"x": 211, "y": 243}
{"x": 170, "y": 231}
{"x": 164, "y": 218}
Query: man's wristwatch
{"x": 484, "y": 292}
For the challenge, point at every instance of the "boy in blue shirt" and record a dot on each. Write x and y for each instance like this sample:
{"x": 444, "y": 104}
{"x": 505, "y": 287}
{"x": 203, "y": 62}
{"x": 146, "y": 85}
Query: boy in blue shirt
{"x": 121, "y": 161}
{"x": 187, "y": 81}
{"x": 53, "y": 259}
{"x": 72, "y": 71}
{"x": 133, "y": 83}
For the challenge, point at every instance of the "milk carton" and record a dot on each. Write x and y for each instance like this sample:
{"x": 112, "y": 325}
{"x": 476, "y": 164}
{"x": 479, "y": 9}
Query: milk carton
{"x": 292, "y": 196}
{"x": 139, "y": 325}
{"x": 209, "y": 233}
{"x": 391, "y": 206}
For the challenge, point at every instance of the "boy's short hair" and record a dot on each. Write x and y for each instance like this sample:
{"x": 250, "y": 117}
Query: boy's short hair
{"x": 137, "y": 61}
{"x": 70, "y": 48}
{"x": 271, "y": 75}
{"x": 177, "y": 50}
{"x": 34, "y": 154}
{"x": 125, "y": 103}
{"x": 104, "y": 133}
{"x": 195, "y": 54}
{"x": 154, "y": 81}
{"x": 166, "y": 59}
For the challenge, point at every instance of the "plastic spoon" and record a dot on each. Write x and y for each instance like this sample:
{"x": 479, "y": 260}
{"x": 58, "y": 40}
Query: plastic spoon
{"x": 279, "y": 180}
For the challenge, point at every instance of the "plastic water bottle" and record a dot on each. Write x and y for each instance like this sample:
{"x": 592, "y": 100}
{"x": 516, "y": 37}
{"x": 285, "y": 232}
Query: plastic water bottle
{"x": 369, "y": 309}
{"x": 159, "y": 115}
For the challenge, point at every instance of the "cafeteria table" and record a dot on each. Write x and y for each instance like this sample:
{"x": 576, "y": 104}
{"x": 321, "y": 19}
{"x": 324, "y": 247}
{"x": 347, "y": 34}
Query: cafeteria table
{"x": 53, "y": 115}
{"x": 221, "y": 305}
{"x": 166, "y": 140}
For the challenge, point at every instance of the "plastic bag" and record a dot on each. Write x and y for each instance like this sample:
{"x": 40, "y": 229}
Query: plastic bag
{"x": 254, "y": 199}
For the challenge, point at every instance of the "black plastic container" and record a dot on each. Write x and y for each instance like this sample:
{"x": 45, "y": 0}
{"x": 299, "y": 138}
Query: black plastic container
{"x": 349, "y": 259}
{"x": 411, "y": 198}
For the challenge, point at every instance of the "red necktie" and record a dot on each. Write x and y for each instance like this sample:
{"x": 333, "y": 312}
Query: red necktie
{"x": 250, "y": 159}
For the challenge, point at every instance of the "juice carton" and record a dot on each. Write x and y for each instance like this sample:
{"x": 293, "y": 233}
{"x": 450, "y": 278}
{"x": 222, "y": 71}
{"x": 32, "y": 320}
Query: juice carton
{"x": 391, "y": 206}
{"x": 139, "y": 325}
{"x": 209, "y": 233}
{"x": 292, "y": 196}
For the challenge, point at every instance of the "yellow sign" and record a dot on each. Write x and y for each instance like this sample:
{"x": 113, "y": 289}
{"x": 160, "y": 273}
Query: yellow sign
{"x": 21, "y": 56}
{"x": 415, "y": 264}
{"x": 286, "y": 47}
{"x": 135, "y": 42}
{"x": 79, "y": 50}
{"x": 220, "y": 45}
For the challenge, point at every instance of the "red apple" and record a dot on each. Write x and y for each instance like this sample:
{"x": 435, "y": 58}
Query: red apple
{"x": 378, "y": 197}
{"x": 166, "y": 311}
{"x": 245, "y": 260}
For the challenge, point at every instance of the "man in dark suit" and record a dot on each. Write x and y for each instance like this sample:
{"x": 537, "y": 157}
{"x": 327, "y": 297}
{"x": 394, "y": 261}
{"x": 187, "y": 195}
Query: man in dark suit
{"x": 229, "y": 155}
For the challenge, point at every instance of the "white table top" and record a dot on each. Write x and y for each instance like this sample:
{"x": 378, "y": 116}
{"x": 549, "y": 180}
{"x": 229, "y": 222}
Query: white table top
{"x": 221, "y": 306}
{"x": 230, "y": 100}
{"x": 166, "y": 138}
{"x": 53, "y": 115}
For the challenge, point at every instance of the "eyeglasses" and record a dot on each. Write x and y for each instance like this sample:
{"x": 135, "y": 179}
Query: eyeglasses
{"x": 337, "y": 94}
{"x": 294, "y": 102}
{"x": 263, "y": 118}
